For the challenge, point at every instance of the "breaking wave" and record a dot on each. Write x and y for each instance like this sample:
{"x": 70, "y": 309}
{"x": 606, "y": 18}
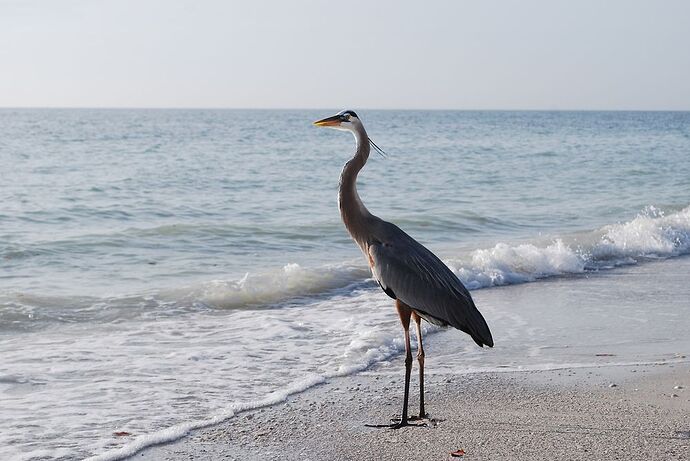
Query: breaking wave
{"x": 650, "y": 235}
{"x": 261, "y": 289}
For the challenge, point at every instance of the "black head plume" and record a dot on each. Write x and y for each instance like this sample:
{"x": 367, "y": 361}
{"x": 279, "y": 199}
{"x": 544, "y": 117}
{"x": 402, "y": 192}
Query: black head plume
{"x": 377, "y": 149}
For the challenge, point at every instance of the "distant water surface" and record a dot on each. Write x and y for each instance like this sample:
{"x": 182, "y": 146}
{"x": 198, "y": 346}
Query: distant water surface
{"x": 165, "y": 267}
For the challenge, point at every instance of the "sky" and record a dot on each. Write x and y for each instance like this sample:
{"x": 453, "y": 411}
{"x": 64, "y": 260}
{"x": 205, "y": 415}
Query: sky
{"x": 431, "y": 54}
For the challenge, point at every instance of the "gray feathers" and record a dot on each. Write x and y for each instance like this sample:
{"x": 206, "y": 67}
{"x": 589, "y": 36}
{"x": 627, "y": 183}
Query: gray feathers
{"x": 418, "y": 278}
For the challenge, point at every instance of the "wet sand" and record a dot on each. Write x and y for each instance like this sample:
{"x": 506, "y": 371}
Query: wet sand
{"x": 612, "y": 412}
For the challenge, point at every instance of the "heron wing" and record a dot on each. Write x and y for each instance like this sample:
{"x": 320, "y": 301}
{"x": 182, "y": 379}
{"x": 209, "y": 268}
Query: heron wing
{"x": 408, "y": 271}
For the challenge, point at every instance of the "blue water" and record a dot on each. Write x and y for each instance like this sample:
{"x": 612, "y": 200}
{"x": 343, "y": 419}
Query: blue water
{"x": 141, "y": 246}
{"x": 130, "y": 200}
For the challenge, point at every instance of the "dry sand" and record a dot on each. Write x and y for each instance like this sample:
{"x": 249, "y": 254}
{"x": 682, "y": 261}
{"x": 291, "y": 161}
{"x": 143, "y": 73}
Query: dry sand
{"x": 605, "y": 413}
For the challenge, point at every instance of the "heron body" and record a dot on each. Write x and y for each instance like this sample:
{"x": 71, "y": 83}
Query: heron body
{"x": 421, "y": 284}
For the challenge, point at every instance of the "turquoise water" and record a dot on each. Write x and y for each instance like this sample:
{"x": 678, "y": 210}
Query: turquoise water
{"x": 194, "y": 260}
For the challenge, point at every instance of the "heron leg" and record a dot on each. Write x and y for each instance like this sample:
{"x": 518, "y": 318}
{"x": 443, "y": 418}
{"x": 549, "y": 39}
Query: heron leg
{"x": 420, "y": 359}
{"x": 405, "y": 314}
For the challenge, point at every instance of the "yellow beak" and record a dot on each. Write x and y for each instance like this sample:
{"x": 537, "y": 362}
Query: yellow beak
{"x": 329, "y": 121}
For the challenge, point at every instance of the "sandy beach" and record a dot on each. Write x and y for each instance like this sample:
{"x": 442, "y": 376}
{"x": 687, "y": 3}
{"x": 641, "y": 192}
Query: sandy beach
{"x": 603, "y": 385}
{"x": 638, "y": 412}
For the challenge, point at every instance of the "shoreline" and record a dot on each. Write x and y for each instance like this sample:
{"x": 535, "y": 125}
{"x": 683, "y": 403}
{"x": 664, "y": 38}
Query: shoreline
{"x": 608, "y": 412}
{"x": 566, "y": 411}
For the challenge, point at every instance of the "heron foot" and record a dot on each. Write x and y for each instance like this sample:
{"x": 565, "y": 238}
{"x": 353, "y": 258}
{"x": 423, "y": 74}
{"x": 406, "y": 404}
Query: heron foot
{"x": 421, "y": 417}
{"x": 397, "y": 424}
{"x": 407, "y": 423}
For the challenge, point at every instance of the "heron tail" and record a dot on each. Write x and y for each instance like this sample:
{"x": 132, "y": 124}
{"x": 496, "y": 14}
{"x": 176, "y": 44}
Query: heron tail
{"x": 477, "y": 328}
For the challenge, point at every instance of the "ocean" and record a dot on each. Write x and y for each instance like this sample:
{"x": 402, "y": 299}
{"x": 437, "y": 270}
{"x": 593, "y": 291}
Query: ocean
{"x": 161, "y": 270}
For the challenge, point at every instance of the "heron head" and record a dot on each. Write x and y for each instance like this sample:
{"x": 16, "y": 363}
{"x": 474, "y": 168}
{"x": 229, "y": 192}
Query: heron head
{"x": 345, "y": 120}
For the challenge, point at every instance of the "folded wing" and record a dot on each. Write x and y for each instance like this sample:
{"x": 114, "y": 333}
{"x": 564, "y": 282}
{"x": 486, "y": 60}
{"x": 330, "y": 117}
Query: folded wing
{"x": 408, "y": 271}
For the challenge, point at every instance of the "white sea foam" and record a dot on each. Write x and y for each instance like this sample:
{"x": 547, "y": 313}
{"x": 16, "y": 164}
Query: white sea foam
{"x": 257, "y": 289}
{"x": 180, "y": 430}
{"x": 507, "y": 265}
{"x": 366, "y": 348}
{"x": 651, "y": 234}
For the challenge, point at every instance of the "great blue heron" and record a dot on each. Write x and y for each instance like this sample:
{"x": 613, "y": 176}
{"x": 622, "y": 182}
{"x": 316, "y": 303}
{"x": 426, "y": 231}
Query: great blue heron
{"x": 422, "y": 286}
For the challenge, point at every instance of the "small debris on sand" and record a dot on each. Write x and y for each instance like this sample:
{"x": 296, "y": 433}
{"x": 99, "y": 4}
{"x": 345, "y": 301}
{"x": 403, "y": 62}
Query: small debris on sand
{"x": 457, "y": 453}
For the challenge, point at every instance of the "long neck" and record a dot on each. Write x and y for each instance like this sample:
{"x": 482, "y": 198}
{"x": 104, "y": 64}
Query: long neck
{"x": 352, "y": 210}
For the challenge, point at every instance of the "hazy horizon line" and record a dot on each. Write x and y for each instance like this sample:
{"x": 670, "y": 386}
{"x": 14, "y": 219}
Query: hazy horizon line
{"x": 401, "y": 109}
